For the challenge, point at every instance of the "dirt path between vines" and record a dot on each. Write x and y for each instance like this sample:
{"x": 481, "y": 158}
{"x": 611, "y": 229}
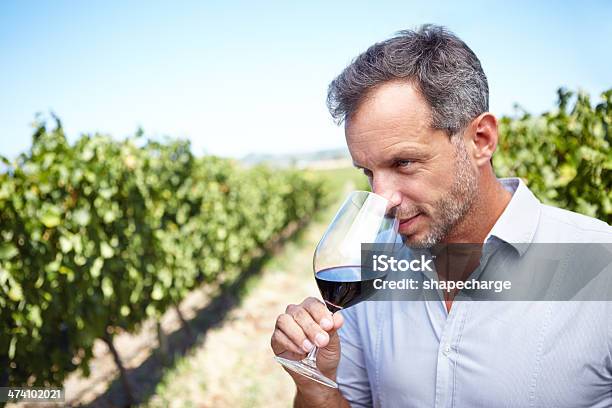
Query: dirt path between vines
{"x": 228, "y": 362}
{"x": 235, "y": 366}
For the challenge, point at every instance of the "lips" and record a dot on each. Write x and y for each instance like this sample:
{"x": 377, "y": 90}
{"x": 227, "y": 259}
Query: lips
{"x": 407, "y": 223}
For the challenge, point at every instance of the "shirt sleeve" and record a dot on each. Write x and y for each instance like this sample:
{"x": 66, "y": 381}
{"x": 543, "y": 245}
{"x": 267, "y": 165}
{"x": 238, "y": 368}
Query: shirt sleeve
{"x": 352, "y": 376}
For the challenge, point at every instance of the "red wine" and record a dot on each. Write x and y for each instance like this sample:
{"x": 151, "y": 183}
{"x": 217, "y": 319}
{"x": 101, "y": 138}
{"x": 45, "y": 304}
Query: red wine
{"x": 342, "y": 287}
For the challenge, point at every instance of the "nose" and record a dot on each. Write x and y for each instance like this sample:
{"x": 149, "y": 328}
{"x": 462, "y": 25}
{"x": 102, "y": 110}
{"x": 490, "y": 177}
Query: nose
{"x": 385, "y": 187}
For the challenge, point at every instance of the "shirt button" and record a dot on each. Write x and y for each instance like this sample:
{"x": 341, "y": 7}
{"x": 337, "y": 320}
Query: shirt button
{"x": 447, "y": 350}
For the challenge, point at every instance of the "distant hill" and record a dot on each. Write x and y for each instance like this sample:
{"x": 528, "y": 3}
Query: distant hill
{"x": 323, "y": 158}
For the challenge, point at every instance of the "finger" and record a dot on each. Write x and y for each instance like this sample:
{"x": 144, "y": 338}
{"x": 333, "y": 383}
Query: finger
{"x": 310, "y": 327}
{"x": 338, "y": 320}
{"x": 288, "y": 325}
{"x": 334, "y": 343}
{"x": 282, "y": 345}
{"x": 316, "y": 308}
{"x": 319, "y": 312}
{"x": 331, "y": 351}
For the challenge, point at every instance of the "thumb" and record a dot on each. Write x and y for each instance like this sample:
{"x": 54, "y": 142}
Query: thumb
{"x": 329, "y": 356}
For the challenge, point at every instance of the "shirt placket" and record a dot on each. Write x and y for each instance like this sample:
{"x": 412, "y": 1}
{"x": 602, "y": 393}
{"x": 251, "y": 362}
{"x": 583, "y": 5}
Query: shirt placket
{"x": 448, "y": 351}
{"x": 447, "y": 355}
{"x": 449, "y": 339}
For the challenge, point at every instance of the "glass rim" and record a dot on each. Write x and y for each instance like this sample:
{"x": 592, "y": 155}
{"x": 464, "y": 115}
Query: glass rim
{"x": 369, "y": 192}
{"x": 389, "y": 212}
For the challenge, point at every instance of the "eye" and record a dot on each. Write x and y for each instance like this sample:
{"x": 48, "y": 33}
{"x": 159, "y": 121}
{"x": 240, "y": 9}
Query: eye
{"x": 403, "y": 163}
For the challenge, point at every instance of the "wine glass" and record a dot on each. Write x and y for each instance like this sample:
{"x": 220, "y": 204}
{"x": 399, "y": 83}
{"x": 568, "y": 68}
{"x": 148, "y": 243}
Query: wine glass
{"x": 364, "y": 217}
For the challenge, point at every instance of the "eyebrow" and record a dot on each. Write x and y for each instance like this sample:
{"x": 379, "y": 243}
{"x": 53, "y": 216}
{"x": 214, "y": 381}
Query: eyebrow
{"x": 406, "y": 150}
{"x": 358, "y": 167}
{"x": 399, "y": 154}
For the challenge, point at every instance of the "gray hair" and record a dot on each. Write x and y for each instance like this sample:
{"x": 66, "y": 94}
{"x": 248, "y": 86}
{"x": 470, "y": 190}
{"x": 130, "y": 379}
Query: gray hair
{"x": 443, "y": 69}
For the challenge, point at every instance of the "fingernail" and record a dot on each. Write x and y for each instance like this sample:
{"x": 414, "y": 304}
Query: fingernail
{"x": 321, "y": 339}
{"x": 326, "y": 323}
{"x": 307, "y": 345}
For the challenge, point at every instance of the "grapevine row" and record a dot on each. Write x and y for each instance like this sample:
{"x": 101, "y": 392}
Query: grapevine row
{"x": 102, "y": 234}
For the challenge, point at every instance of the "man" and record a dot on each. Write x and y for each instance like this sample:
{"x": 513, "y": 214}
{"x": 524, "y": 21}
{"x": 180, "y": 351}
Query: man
{"x": 415, "y": 109}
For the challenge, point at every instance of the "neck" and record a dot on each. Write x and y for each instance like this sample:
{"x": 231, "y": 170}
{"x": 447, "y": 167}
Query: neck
{"x": 489, "y": 204}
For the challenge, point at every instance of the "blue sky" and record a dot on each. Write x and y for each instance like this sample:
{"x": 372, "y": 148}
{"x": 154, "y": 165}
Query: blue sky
{"x": 241, "y": 77}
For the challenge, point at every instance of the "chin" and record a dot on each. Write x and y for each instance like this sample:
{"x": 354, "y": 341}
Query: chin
{"x": 417, "y": 241}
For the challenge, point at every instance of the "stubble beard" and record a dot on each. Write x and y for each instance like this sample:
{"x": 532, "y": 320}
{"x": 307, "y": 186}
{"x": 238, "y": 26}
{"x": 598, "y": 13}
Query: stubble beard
{"x": 453, "y": 206}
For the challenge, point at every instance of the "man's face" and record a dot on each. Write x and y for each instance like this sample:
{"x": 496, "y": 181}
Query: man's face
{"x": 426, "y": 174}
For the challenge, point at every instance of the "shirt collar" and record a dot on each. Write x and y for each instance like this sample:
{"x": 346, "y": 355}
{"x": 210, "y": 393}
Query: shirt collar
{"x": 518, "y": 222}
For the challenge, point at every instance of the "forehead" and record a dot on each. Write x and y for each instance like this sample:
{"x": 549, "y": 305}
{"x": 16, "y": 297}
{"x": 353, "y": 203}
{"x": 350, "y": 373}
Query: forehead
{"x": 391, "y": 103}
{"x": 392, "y": 116}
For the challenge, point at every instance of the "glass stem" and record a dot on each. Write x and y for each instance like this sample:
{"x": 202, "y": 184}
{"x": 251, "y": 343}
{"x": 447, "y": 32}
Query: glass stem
{"x": 311, "y": 358}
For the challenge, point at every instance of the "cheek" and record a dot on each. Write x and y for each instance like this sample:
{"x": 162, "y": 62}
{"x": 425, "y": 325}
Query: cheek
{"x": 422, "y": 190}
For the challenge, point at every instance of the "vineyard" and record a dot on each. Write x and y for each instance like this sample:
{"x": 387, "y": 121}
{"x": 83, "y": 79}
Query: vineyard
{"x": 100, "y": 235}
{"x": 563, "y": 155}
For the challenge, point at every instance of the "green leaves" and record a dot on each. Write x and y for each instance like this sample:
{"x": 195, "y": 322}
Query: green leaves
{"x": 104, "y": 233}
{"x": 564, "y": 155}
{"x": 107, "y": 287}
{"x": 81, "y": 217}
{"x": 7, "y": 251}
{"x": 106, "y": 250}
{"x": 50, "y": 215}
{"x": 15, "y": 293}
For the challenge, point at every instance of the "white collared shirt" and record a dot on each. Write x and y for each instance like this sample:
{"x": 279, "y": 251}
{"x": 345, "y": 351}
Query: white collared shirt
{"x": 486, "y": 354}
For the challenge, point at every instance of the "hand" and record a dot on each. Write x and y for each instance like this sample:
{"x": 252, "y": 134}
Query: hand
{"x": 303, "y": 326}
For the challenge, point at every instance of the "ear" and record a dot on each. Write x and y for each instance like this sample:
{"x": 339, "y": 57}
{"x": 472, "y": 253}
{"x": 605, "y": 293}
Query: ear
{"x": 483, "y": 138}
